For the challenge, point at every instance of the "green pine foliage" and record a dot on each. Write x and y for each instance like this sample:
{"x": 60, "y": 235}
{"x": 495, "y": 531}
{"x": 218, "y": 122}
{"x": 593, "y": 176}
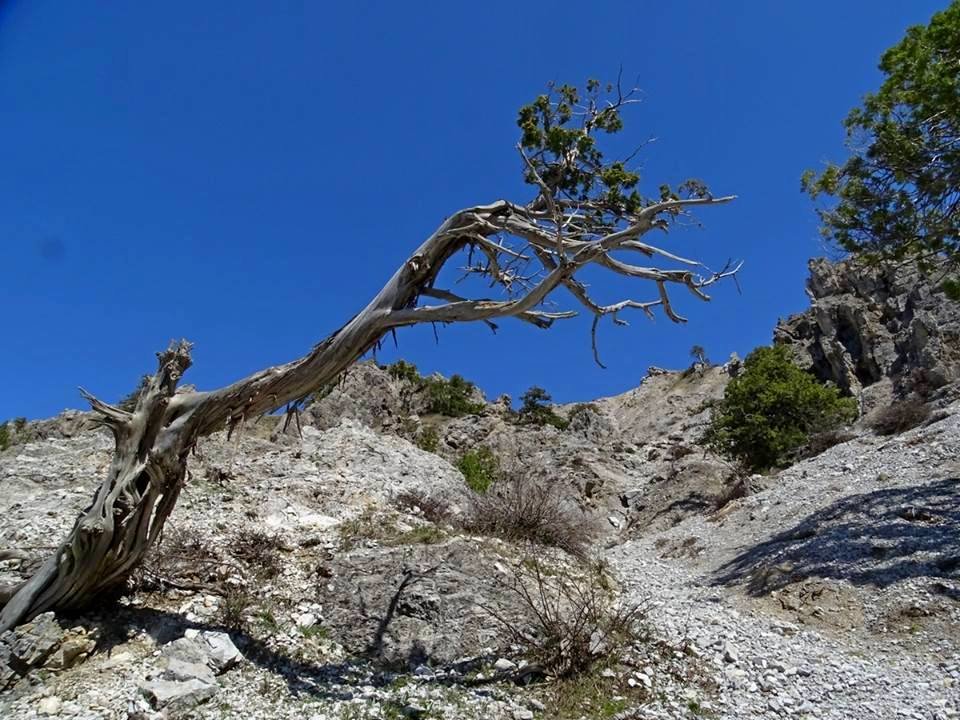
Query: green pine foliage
{"x": 404, "y": 371}
{"x": 534, "y": 409}
{"x": 4, "y": 436}
{"x": 772, "y": 408}
{"x": 898, "y": 194}
{"x": 559, "y": 132}
{"x": 453, "y": 397}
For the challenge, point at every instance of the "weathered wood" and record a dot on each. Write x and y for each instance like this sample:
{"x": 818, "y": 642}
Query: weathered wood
{"x": 111, "y": 537}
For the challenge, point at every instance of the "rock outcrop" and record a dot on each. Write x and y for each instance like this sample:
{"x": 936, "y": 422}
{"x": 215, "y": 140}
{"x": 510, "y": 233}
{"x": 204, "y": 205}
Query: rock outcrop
{"x": 879, "y": 332}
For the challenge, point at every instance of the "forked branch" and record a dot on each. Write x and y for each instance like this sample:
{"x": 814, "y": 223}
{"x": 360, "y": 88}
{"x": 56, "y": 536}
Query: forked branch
{"x": 586, "y": 212}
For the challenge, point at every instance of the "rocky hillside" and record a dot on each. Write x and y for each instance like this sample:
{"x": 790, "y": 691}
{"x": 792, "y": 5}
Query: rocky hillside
{"x": 346, "y": 570}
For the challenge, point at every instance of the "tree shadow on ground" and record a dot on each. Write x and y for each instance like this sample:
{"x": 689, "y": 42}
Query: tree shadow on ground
{"x": 332, "y": 681}
{"x": 320, "y": 680}
{"x": 875, "y": 538}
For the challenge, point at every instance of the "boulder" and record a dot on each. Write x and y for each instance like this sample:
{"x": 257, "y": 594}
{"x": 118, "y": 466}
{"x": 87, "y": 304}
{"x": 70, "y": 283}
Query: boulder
{"x": 177, "y": 696}
{"x": 28, "y": 646}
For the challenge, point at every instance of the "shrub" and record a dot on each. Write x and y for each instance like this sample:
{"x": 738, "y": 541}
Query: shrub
{"x": 428, "y": 439}
{"x": 324, "y": 391}
{"x": 583, "y": 409}
{"x": 900, "y": 417}
{"x": 453, "y": 397}
{"x": 420, "y": 535}
{"x": 20, "y": 424}
{"x": 368, "y": 525}
{"x": 4, "y": 436}
{"x": 235, "y": 604}
{"x": 480, "y": 468}
{"x": 521, "y": 509}
{"x": 258, "y": 550}
{"x": 181, "y": 558}
{"x": 535, "y": 411}
{"x": 573, "y": 622}
{"x": 404, "y": 371}
{"x": 823, "y": 441}
{"x": 699, "y": 355}
{"x": 771, "y": 408}
{"x": 586, "y": 418}
{"x": 434, "y": 509}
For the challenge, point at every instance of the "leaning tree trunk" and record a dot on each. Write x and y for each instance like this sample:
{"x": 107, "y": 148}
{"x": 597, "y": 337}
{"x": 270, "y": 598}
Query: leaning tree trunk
{"x": 153, "y": 442}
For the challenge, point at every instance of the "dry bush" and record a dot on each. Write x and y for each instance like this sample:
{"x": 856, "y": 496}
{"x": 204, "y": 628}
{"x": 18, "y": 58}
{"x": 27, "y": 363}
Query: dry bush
{"x": 417, "y": 502}
{"x": 900, "y": 417}
{"x": 823, "y": 441}
{"x": 736, "y": 487}
{"x": 234, "y": 606}
{"x": 258, "y": 550}
{"x": 182, "y": 559}
{"x": 572, "y": 620}
{"x": 519, "y": 508}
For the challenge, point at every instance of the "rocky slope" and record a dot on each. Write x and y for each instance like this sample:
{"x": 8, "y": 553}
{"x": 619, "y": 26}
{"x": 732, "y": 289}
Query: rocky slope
{"x": 337, "y": 572}
{"x": 632, "y": 459}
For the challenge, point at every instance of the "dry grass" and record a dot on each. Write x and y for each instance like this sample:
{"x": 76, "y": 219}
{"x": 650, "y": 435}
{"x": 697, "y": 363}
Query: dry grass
{"x": 181, "y": 559}
{"x": 235, "y": 604}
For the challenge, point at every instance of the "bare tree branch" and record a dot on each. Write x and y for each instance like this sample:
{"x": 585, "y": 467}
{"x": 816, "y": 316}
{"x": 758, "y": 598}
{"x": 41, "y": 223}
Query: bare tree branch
{"x": 530, "y": 251}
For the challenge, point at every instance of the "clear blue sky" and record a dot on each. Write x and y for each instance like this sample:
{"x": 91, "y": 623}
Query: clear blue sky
{"x": 246, "y": 175}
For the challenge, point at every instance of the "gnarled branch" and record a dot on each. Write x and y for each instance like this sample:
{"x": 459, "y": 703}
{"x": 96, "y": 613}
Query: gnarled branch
{"x": 584, "y": 213}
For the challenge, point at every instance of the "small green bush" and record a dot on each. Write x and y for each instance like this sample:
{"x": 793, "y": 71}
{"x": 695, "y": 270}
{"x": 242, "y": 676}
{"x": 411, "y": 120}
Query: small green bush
{"x": 772, "y": 408}
{"x": 404, "y": 371}
{"x": 480, "y": 469}
{"x": 535, "y": 410}
{"x": 4, "y": 436}
{"x": 20, "y": 424}
{"x": 452, "y": 397}
{"x": 699, "y": 355}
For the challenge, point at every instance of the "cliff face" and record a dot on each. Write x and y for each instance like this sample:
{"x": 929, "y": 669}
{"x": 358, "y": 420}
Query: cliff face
{"x": 878, "y": 332}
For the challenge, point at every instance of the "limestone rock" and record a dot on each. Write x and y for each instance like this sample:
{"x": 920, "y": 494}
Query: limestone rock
{"x": 28, "y": 646}
{"x": 49, "y": 705}
{"x": 177, "y": 696}
{"x": 876, "y": 332}
{"x": 209, "y": 649}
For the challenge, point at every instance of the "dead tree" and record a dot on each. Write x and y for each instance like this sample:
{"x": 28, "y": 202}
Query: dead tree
{"x": 586, "y": 212}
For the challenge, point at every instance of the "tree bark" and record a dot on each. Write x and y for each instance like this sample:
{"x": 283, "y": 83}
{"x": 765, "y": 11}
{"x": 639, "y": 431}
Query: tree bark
{"x": 153, "y": 442}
